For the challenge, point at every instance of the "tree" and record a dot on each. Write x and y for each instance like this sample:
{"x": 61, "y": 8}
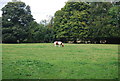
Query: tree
{"x": 93, "y": 21}
{"x": 43, "y": 34}
{"x": 70, "y": 23}
{"x": 33, "y": 27}
{"x": 103, "y": 22}
{"x": 16, "y": 17}
{"x": 0, "y": 29}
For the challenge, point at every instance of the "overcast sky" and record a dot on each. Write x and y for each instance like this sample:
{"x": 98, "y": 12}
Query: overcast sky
{"x": 41, "y": 9}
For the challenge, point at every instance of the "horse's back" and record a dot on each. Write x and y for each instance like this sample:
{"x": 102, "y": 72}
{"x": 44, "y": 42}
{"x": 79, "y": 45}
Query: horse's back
{"x": 58, "y": 42}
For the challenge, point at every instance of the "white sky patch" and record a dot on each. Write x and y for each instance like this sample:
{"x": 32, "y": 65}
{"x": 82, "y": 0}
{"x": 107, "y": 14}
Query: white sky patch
{"x": 41, "y": 9}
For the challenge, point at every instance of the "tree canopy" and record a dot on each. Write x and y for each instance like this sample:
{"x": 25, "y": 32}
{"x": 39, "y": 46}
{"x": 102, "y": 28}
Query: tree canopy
{"x": 76, "y": 21}
{"x": 93, "y": 21}
{"x": 19, "y": 25}
{"x": 16, "y": 18}
{"x": 71, "y": 22}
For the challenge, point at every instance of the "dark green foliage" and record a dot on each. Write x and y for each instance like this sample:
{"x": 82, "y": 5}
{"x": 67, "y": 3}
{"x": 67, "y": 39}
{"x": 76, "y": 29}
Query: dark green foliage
{"x": 12, "y": 34}
{"x": 88, "y": 21}
{"x": 43, "y": 34}
{"x": 16, "y": 17}
{"x": 16, "y": 13}
{"x": 103, "y": 22}
{"x": 70, "y": 22}
{"x": 19, "y": 25}
{"x": 76, "y": 21}
{"x": 0, "y": 29}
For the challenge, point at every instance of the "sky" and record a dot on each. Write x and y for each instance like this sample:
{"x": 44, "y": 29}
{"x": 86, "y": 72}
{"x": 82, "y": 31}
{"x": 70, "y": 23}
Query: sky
{"x": 41, "y": 9}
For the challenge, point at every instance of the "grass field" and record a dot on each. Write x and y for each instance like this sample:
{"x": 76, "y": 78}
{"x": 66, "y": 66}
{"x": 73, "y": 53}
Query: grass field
{"x": 74, "y": 61}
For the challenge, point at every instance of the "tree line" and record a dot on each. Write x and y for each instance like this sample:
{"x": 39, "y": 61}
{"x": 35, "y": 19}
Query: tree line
{"x": 76, "y": 21}
{"x": 19, "y": 25}
{"x": 95, "y": 21}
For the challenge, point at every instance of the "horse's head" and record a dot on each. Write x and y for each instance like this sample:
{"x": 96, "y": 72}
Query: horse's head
{"x": 62, "y": 45}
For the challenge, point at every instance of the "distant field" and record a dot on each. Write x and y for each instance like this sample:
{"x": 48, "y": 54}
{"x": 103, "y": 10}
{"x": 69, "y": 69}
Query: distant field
{"x": 74, "y": 61}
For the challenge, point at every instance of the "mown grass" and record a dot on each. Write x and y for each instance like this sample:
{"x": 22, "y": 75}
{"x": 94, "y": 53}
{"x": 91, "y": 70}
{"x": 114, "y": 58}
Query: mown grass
{"x": 74, "y": 61}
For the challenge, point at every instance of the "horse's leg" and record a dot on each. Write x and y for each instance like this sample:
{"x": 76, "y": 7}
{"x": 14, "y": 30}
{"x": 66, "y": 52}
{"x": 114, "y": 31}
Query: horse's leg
{"x": 54, "y": 44}
{"x": 59, "y": 45}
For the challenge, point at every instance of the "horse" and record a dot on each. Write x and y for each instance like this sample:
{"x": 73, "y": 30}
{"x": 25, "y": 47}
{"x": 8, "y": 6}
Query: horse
{"x": 59, "y": 43}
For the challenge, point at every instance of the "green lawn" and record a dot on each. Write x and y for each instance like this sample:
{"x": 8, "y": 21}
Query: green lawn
{"x": 74, "y": 61}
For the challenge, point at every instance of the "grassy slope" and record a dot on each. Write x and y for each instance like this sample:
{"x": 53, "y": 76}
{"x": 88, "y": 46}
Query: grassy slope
{"x": 74, "y": 61}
